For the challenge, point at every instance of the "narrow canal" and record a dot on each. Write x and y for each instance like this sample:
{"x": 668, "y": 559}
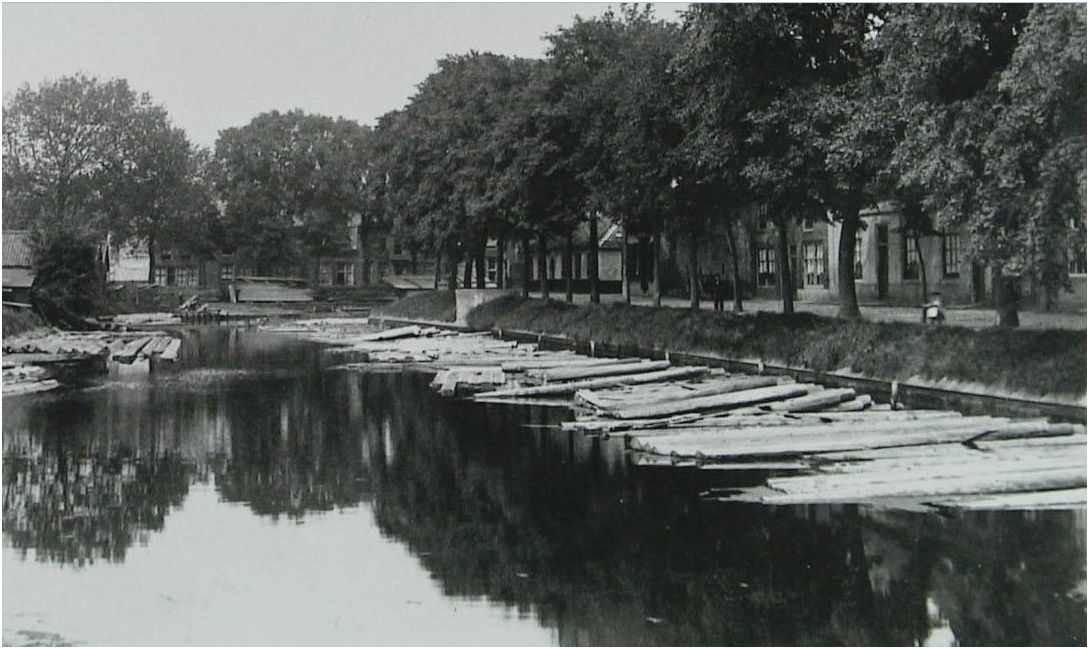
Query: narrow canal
{"x": 253, "y": 493}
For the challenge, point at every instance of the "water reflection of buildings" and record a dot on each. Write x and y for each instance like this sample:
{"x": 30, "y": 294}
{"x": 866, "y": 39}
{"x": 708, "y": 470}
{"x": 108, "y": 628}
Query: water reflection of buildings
{"x": 554, "y": 525}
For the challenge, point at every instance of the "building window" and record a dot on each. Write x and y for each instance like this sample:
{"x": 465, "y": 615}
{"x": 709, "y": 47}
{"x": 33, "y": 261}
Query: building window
{"x": 161, "y": 276}
{"x": 807, "y": 224}
{"x": 226, "y": 272}
{"x": 813, "y": 257}
{"x": 858, "y": 256}
{"x": 398, "y": 247}
{"x": 343, "y": 275}
{"x": 765, "y": 267}
{"x": 911, "y": 257}
{"x": 1075, "y": 259}
{"x": 493, "y": 267}
{"x": 951, "y": 255}
{"x": 578, "y": 266}
{"x": 185, "y": 276}
{"x": 325, "y": 275}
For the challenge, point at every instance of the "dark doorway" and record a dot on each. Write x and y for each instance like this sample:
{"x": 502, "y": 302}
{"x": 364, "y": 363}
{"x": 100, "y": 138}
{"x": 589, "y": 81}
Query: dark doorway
{"x": 882, "y": 261}
{"x": 979, "y": 285}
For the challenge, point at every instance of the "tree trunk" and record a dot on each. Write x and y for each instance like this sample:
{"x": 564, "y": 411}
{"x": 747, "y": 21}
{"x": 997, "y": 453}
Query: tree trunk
{"x": 150, "y": 258}
{"x": 452, "y": 284}
{"x": 625, "y": 287}
{"x": 542, "y": 263}
{"x": 526, "y": 268}
{"x": 591, "y": 263}
{"x": 786, "y": 279}
{"x": 731, "y": 242}
{"x": 467, "y": 273}
{"x": 658, "y": 267}
{"x": 1006, "y": 299}
{"x": 693, "y": 271}
{"x": 568, "y": 262}
{"x": 438, "y": 268}
{"x": 922, "y": 269}
{"x": 500, "y": 261}
{"x": 481, "y": 263}
{"x": 848, "y": 298}
{"x": 361, "y": 255}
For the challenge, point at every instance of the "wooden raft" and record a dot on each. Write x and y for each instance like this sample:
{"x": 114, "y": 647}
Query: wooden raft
{"x": 814, "y": 444}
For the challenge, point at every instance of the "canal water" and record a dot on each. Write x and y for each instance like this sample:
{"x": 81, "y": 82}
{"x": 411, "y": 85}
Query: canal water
{"x": 255, "y": 493}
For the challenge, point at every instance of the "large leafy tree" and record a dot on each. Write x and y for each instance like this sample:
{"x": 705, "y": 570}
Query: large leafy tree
{"x": 993, "y": 101}
{"x": 289, "y": 183}
{"x": 90, "y": 158}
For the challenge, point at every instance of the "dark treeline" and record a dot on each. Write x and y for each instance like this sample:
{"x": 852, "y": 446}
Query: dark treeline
{"x": 971, "y": 116}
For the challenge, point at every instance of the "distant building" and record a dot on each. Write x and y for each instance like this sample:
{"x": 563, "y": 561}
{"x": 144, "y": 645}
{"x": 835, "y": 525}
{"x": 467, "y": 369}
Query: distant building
{"x": 18, "y": 266}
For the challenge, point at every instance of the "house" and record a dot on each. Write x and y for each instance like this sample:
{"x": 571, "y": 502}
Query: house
{"x": 608, "y": 259}
{"x": 18, "y": 266}
{"x": 127, "y": 261}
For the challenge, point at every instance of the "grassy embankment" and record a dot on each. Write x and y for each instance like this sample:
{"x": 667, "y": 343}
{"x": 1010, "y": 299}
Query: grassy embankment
{"x": 438, "y": 306}
{"x": 17, "y": 321}
{"x": 1020, "y": 363}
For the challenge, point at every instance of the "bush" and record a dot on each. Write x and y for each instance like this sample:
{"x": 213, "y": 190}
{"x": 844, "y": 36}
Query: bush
{"x": 70, "y": 283}
{"x": 425, "y": 305}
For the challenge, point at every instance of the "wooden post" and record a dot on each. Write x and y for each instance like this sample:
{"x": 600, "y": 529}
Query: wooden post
{"x": 500, "y": 261}
{"x": 625, "y": 288}
{"x": 693, "y": 270}
{"x": 481, "y": 263}
{"x": 438, "y": 267}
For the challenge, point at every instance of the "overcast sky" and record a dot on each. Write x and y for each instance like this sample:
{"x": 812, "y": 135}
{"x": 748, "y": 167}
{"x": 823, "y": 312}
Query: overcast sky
{"x": 218, "y": 65}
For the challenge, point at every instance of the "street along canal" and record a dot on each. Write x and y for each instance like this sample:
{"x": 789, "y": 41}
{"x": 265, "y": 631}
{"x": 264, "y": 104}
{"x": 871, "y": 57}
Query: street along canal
{"x": 253, "y": 493}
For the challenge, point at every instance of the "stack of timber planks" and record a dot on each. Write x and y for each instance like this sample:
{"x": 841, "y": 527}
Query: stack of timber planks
{"x": 814, "y": 443}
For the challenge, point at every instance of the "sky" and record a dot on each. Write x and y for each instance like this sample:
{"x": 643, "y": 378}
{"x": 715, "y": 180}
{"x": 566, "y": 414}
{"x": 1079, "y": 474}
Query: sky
{"x": 215, "y": 66}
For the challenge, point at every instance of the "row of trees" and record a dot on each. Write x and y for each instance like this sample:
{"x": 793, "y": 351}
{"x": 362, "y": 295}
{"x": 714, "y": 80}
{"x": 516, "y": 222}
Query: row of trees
{"x": 972, "y": 116}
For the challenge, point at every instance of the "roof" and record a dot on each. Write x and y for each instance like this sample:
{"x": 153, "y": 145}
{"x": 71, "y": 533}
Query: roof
{"x": 17, "y": 277}
{"x": 17, "y": 249}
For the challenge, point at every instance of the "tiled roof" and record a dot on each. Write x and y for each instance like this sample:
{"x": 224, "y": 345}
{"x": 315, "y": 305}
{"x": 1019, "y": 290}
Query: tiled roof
{"x": 17, "y": 249}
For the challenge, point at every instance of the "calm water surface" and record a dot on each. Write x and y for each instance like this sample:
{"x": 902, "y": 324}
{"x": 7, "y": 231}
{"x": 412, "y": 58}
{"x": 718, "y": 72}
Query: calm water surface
{"x": 253, "y": 493}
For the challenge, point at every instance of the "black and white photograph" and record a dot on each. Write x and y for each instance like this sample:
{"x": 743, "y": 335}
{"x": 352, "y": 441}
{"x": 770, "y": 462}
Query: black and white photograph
{"x": 537, "y": 324}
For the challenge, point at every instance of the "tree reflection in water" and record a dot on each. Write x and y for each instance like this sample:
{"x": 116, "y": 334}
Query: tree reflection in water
{"x": 555, "y": 525}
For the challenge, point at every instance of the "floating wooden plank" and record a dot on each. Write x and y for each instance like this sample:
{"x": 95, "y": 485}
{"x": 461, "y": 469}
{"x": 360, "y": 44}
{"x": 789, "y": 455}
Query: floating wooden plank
{"x": 1032, "y": 428}
{"x": 29, "y": 387}
{"x": 718, "y": 387}
{"x": 554, "y": 389}
{"x": 470, "y": 378}
{"x": 561, "y": 359}
{"x": 171, "y": 351}
{"x": 624, "y": 366}
{"x": 715, "y": 402}
{"x": 813, "y": 401}
{"x": 128, "y": 353}
{"x": 861, "y": 402}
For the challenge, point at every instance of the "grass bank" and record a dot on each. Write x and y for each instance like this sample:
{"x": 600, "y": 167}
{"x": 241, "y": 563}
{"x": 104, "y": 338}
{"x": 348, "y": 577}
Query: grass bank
{"x": 1047, "y": 364}
{"x": 17, "y": 321}
{"x": 425, "y": 305}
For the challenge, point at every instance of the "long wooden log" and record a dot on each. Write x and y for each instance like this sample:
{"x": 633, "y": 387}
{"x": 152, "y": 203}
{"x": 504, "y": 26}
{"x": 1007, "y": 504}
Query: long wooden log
{"x": 590, "y": 384}
{"x": 599, "y": 426}
{"x": 575, "y": 373}
{"x": 725, "y": 386}
{"x": 805, "y": 444}
{"x": 410, "y": 331}
{"x": 547, "y": 363}
{"x": 859, "y": 403}
{"x": 1052, "y": 499}
{"x": 814, "y": 401}
{"x": 714, "y": 402}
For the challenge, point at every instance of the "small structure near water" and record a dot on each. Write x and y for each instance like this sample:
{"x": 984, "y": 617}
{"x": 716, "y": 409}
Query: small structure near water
{"x": 815, "y": 444}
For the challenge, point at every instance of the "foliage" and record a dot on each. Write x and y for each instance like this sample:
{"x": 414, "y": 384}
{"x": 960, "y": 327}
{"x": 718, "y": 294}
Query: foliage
{"x": 289, "y": 182}
{"x": 92, "y": 157}
{"x": 440, "y": 306}
{"x": 69, "y": 281}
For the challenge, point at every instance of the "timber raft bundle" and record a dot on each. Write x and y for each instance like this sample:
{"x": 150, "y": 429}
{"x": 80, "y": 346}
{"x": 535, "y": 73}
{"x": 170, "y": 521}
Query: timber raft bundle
{"x": 814, "y": 444}
{"x": 28, "y": 358}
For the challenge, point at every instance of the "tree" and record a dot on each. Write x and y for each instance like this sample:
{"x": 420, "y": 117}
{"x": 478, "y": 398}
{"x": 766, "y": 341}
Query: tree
{"x": 92, "y": 158}
{"x": 288, "y": 182}
{"x": 993, "y": 99}
{"x": 69, "y": 282}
